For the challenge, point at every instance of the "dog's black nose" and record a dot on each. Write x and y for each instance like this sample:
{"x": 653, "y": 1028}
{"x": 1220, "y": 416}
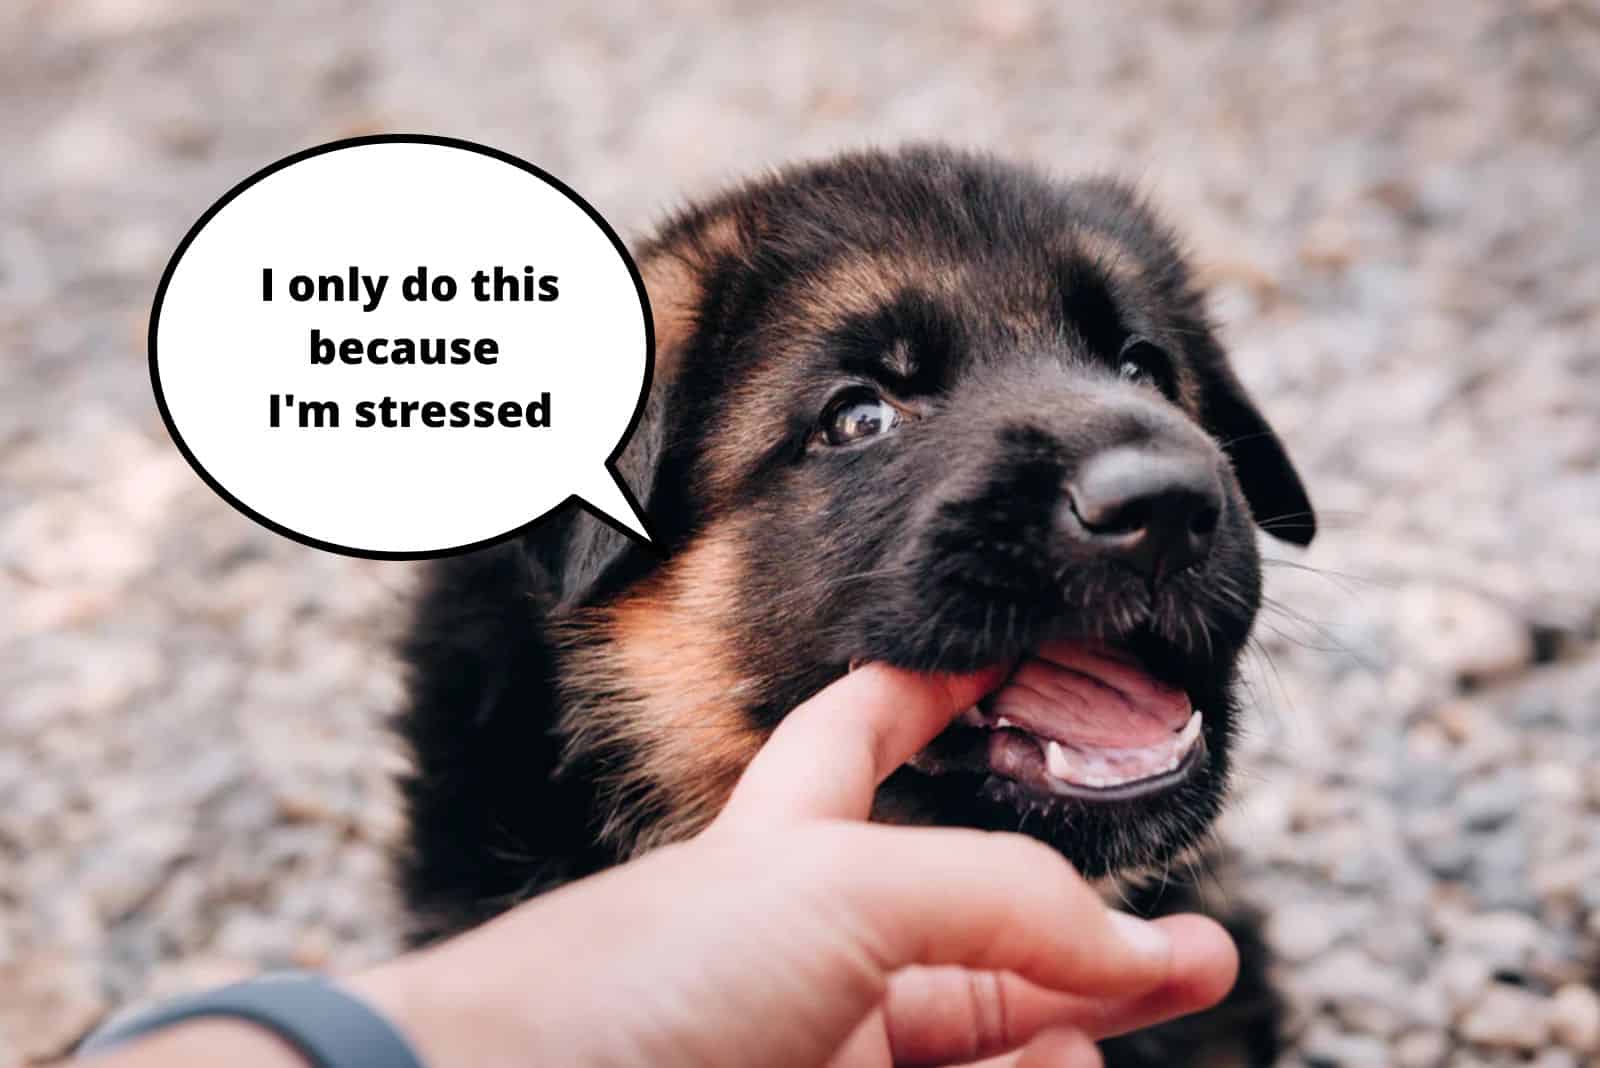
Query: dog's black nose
{"x": 1155, "y": 510}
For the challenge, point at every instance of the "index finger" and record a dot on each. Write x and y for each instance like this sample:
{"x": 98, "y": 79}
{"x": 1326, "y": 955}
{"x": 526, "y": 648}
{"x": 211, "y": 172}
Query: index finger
{"x": 829, "y": 755}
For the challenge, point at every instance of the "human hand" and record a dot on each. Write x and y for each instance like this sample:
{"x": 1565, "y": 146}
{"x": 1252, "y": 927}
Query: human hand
{"x": 792, "y": 933}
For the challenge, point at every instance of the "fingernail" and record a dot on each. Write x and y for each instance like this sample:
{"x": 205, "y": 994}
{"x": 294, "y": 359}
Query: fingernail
{"x": 1142, "y": 936}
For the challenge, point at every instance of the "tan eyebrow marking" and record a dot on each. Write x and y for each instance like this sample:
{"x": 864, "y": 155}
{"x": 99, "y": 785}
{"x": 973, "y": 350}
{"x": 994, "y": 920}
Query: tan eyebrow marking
{"x": 900, "y": 359}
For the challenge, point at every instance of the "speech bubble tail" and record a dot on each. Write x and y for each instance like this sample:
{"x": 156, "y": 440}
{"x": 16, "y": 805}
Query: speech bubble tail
{"x": 611, "y": 499}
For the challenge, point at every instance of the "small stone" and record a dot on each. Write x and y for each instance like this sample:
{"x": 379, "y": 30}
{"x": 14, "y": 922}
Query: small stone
{"x": 249, "y": 935}
{"x": 1328, "y": 244}
{"x": 1575, "y": 1018}
{"x": 1398, "y": 941}
{"x": 1507, "y": 1017}
{"x": 1474, "y": 638}
{"x": 1421, "y": 1049}
{"x": 1462, "y": 978}
{"x": 1385, "y": 1019}
{"x": 1429, "y": 1007}
{"x": 1555, "y": 783}
{"x": 50, "y": 1000}
{"x": 1489, "y": 803}
{"x": 1566, "y": 878}
{"x": 304, "y": 802}
{"x": 1460, "y": 721}
{"x": 1301, "y": 932}
{"x": 1363, "y": 996}
{"x": 193, "y": 974}
{"x": 1505, "y": 941}
{"x": 1442, "y": 848}
{"x": 1500, "y": 880}
{"x": 130, "y": 869}
{"x": 1555, "y": 1058}
{"x": 313, "y": 948}
{"x": 1427, "y": 743}
{"x": 1428, "y": 782}
{"x": 1326, "y": 1046}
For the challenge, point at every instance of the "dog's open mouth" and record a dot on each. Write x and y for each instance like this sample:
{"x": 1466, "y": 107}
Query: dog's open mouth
{"x": 1076, "y": 719}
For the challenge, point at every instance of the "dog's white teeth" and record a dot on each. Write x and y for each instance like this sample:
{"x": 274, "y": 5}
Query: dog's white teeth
{"x": 1003, "y": 722}
{"x": 1056, "y": 761}
{"x": 1072, "y": 768}
{"x": 1190, "y": 731}
{"x": 1068, "y": 766}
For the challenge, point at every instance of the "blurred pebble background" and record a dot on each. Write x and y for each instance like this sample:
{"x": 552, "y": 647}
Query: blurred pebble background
{"x": 1393, "y": 202}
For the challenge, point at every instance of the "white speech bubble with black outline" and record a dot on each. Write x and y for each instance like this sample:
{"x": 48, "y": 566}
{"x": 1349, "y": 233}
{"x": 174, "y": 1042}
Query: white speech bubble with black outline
{"x": 227, "y": 363}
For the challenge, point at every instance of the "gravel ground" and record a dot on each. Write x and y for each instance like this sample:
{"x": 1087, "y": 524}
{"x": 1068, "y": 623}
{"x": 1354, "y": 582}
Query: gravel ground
{"x": 1393, "y": 201}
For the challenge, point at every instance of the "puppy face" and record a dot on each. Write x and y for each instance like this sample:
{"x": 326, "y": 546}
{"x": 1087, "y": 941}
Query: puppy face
{"x": 934, "y": 411}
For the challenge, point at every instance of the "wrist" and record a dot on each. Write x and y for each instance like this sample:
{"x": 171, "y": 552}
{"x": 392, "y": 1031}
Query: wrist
{"x": 271, "y": 1021}
{"x": 216, "y": 1040}
{"x": 449, "y": 1019}
{"x": 390, "y": 991}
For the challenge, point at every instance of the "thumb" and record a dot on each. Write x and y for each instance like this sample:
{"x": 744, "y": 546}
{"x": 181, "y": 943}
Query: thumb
{"x": 828, "y": 756}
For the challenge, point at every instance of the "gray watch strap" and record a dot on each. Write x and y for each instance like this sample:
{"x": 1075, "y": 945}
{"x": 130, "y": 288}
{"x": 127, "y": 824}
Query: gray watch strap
{"x": 329, "y": 1027}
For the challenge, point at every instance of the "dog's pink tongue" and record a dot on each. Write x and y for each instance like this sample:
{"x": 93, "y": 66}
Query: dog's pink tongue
{"x": 1079, "y": 693}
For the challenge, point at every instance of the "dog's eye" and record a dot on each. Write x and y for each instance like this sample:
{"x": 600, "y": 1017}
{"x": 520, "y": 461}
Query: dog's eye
{"x": 1144, "y": 361}
{"x": 856, "y": 415}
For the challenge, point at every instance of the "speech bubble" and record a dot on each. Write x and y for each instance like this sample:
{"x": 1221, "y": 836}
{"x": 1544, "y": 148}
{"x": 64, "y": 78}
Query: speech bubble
{"x": 404, "y": 346}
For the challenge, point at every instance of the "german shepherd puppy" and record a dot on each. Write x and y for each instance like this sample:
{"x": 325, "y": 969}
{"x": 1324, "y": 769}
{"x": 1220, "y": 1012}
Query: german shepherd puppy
{"x": 921, "y": 407}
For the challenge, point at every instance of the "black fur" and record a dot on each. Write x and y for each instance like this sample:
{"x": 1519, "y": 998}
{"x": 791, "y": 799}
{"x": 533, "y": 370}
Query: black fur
{"x": 1007, "y": 303}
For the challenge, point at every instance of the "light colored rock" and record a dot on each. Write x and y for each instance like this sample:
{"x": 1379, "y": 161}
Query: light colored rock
{"x": 1302, "y": 931}
{"x": 1575, "y": 1018}
{"x": 1363, "y": 996}
{"x": 1507, "y": 1017}
{"x": 129, "y": 869}
{"x": 1566, "y": 878}
{"x": 1330, "y": 1045}
{"x": 50, "y": 1000}
{"x": 193, "y": 974}
{"x": 1421, "y": 1049}
{"x": 1505, "y": 941}
{"x": 1555, "y": 1058}
{"x": 1559, "y": 784}
{"x": 1429, "y": 1007}
{"x": 1462, "y": 978}
{"x": 1474, "y": 638}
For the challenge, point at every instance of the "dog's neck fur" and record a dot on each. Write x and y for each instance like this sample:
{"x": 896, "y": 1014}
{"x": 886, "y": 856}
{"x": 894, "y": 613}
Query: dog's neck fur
{"x": 650, "y": 677}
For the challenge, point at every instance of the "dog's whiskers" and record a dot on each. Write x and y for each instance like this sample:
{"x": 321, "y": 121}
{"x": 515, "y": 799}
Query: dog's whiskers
{"x": 1341, "y": 579}
{"x": 1326, "y": 518}
{"x": 1335, "y": 643}
{"x": 1259, "y": 650}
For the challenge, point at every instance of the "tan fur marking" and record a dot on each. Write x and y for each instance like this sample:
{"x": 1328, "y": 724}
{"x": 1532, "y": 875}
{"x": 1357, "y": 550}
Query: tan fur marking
{"x": 1107, "y": 253}
{"x": 809, "y": 308}
{"x": 900, "y": 359}
{"x": 675, "y": 290}
{"x": 674, "y": 277}
{"x": 1121, "y": 266}
{"x": 718, "y": 236}
{"x": 679, "y": 713}
{"x": 864, "y": 283}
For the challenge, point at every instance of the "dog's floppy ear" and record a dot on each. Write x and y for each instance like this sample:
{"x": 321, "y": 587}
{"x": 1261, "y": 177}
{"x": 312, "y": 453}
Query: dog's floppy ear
{"x": 589, "y": 559}
{"x": 1278, "y": 500}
